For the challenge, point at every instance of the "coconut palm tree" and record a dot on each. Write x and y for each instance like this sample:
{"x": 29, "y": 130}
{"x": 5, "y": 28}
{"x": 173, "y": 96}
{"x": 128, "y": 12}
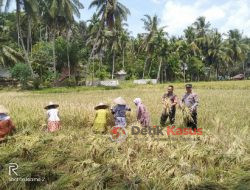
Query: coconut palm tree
{"x": 20, "y": 4}
{"x": 109, "y": 11}
{"x": 9, "y": 56}
{"x": 102, "y": 41}
{"x": 201, "y": 26}
{"x": 190, "y": 38}
{"x": 123, "y": 41}
{"x": 237, "y": 50}
{"x": 60, "y": 14}
{"x": 162, "y": 49}
{"x": 111, "y": 14}
{"x": 151, "y": 26}
{"x": 31, "y": 10}
{"x": 216, "y": 53}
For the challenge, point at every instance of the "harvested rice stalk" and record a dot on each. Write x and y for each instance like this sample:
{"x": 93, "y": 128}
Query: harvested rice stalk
{"x": 167, "y": 105}
{"x": 186, "y": 115}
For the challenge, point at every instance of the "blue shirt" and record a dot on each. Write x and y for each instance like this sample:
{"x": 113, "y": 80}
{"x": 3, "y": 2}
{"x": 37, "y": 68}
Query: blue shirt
{"x": 120, "y": 110}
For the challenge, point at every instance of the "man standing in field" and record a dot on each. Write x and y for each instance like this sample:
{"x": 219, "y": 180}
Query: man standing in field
{"x": 190, "y": 100}
{"x": 169, "y": 101}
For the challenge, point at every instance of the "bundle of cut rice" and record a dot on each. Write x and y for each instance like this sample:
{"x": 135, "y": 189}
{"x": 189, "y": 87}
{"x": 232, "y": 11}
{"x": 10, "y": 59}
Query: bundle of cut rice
{"x": 186, "y": 115}
{"x": 167, "y": 105}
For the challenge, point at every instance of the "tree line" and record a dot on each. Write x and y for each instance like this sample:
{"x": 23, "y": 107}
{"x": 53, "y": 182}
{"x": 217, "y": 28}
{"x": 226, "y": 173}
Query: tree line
{"x": 41, "y": 40}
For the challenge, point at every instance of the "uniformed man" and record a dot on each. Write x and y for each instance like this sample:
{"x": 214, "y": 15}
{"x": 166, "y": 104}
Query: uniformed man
{"x": 171, "y": 114}
{"x": 190, "y": 99}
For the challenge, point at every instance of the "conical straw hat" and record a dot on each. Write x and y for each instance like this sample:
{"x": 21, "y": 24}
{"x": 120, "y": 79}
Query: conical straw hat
{"x": 51, "y": 104}
{"x": 120, "y": 101}
{"x": 101, "y": 106}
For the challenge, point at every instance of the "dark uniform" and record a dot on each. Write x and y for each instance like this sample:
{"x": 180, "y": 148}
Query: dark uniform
{"x": 171, "y": 114}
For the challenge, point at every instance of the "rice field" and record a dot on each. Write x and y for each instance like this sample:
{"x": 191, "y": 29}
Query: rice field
{"x": 76, "y": 158}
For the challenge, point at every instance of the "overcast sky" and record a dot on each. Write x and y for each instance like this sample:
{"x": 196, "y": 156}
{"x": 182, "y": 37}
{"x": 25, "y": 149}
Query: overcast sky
{"x": 178, "y": 14}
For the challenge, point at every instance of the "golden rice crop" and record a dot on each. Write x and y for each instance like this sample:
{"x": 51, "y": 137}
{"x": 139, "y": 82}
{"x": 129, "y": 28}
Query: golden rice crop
{"x": 76, "y": 158}
{"x": 167, "y": 105}
{"x": 186, "y": 114}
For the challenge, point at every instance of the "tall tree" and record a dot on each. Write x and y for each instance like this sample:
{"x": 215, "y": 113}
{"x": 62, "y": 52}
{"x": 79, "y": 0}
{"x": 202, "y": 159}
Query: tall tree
{"x": 111, "y": 14}
{"x": 201, "y": 26}
{"x": 123, "y": 41}
{"x": 162, "y": 49}
{"x": 237, "y": 49}
{"x": 19, "y": 7}
{"x": 216, "y": 51}
{"x": 31, "y": 10}
{"x": 109, "y": 11}
{"x": 61, "y": 14}
{"x": 151, "y": 26}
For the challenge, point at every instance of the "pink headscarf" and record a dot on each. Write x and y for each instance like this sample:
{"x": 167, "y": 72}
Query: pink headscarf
{"x": 137, "y": 101}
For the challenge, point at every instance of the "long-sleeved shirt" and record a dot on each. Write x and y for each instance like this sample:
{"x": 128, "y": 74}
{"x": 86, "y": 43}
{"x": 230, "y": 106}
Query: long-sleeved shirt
{"x": 101, "y": 116}
{"x": 143, "y": 115}
{"x": 120, "y": 110}
{"x": 191, "y": 101}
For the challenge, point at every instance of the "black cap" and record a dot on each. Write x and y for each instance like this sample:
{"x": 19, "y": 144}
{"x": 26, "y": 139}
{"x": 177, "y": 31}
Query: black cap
{"x": 189, "y": 86}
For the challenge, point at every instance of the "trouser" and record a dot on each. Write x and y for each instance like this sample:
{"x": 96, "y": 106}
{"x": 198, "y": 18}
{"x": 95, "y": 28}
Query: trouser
{"x": 193, "y": 124}
{"x": 171, "y": 115}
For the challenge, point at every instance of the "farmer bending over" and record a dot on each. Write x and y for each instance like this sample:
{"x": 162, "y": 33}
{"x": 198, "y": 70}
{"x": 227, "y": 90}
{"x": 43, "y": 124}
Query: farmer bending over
{"x": 53, "y": 117}
{"x": 142, "y": 114}
{"x": 119, "y": 111}
{"x": 6, "y": 125}
{"x": 100, "y": 123}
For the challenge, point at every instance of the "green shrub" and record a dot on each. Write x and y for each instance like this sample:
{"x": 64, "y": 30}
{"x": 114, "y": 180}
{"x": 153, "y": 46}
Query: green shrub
{"x": 42, "y": 59}
{"x": 22, "y": 73}
{"x": 102, "y": 74}
{"x": 36, "y": 82}
{"x": 69, "y": 82}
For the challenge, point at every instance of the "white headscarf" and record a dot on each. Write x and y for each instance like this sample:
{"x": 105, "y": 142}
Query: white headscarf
{"x": 137, "y": 101}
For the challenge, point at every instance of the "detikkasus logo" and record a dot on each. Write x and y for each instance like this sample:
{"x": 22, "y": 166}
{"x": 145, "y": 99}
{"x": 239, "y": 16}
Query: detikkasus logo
{"x": 171, "y": 130}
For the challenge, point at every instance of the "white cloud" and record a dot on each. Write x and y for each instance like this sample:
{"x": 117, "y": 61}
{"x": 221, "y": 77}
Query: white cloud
{"x": 224, "y": 16}
{"x": 214, "y": 13}
{"x": 157, "y": 1}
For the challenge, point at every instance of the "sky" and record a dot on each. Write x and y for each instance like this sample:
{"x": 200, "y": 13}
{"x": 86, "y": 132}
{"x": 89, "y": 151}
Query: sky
{"x": 178, "y": 14}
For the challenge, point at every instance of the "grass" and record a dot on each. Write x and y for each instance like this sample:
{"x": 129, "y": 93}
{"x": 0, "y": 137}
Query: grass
{"x": 76, "y": 158}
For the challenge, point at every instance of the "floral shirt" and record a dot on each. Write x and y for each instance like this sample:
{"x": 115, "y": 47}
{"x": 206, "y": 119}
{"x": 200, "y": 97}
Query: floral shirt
{"x": 120, "y": 110}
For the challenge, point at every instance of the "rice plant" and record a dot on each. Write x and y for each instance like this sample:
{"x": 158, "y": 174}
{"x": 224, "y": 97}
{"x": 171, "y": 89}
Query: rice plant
{"x": 76, "y": 158}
